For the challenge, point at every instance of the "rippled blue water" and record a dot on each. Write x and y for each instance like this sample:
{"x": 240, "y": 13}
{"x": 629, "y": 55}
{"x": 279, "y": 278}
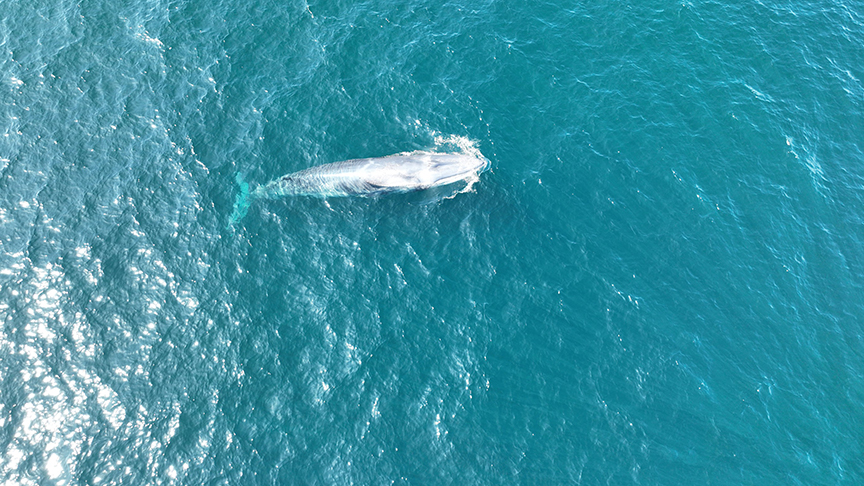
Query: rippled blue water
{"x": 658, "y": 282}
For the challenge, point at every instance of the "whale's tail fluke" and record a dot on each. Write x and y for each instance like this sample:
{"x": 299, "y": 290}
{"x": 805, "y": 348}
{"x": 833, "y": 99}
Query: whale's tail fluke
{"x": 242, "y": 202}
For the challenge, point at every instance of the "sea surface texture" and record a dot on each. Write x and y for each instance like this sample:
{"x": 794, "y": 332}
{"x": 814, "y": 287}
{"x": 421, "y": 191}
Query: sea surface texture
{"x": 659, "y": 280}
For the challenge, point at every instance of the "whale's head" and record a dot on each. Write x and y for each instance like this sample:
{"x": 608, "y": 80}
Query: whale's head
{"x": 420, "y": 170}
{"x": 443, "y": 169}
{"x": 448, "y": 168}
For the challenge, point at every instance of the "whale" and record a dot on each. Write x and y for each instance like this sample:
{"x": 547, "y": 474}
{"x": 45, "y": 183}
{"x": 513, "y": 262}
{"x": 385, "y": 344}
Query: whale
{"x": 405, "y": 172}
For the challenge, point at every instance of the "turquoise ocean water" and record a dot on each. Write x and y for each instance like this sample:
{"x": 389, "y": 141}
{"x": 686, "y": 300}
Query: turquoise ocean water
{"x": 660, "y": 280}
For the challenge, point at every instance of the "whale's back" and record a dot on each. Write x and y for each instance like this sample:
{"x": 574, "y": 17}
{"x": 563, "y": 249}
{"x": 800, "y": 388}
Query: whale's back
{"x": 396, "y": 173}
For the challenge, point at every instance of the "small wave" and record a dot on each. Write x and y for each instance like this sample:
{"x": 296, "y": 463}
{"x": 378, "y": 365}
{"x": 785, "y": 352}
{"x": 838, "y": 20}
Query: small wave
{"x": 456, "y": 143}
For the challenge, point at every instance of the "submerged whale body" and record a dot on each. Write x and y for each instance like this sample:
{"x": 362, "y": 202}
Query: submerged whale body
{"x": 366, "y": 177}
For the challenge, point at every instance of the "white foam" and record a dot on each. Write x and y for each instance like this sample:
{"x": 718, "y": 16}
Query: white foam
{"x": 458, "y": 143}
